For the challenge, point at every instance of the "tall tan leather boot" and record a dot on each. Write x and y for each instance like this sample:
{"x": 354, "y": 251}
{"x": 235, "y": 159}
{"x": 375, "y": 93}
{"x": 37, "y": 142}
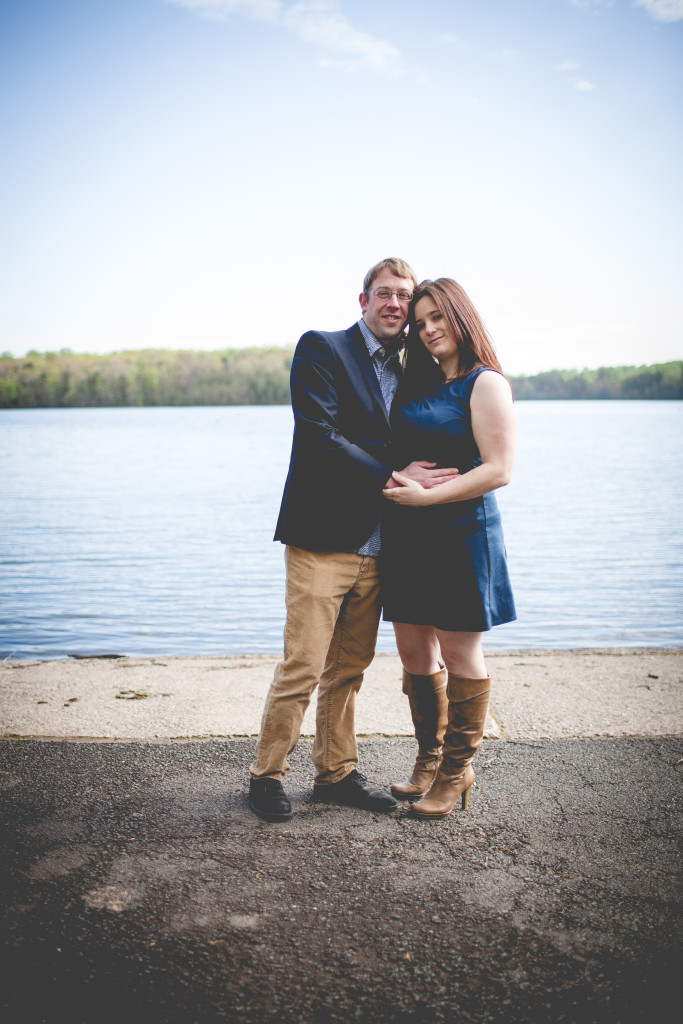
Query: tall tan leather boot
{"x": 429, "y": 711}
{"x": 468, "y": 701}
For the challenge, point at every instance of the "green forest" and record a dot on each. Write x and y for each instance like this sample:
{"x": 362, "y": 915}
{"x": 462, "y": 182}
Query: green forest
{"x": 244, "y": 376}
{"x": 258, "y": 376}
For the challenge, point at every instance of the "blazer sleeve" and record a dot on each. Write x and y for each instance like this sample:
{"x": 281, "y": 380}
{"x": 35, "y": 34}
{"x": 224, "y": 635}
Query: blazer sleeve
{"x": 322, "y": 418}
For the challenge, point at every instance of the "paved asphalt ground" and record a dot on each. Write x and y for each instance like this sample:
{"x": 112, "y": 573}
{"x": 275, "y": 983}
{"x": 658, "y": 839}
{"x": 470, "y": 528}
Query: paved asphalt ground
{"x": 139, "y": 887}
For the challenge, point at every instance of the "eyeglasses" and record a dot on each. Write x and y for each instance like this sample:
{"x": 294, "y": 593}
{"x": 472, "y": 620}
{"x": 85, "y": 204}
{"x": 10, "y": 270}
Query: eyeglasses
{"x": 386, "y": 293}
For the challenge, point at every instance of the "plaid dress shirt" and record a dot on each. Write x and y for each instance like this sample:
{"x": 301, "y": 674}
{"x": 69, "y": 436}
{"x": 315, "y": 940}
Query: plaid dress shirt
{"x": 387, "y": 366}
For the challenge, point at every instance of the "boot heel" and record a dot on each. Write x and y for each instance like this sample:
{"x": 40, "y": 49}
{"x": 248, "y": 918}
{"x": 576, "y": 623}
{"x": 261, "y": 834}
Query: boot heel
{"x": 465, "y": 797}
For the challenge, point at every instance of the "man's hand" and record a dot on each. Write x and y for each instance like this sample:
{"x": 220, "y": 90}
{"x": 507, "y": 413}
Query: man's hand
{"x": 406, "y": 491}
{"x": 423, "y": 473}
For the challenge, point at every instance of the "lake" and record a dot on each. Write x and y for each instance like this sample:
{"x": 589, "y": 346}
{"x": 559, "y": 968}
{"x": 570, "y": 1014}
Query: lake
{"x": 149, "y": 531}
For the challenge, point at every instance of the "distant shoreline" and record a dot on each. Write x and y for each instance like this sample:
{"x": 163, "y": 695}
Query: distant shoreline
{"x": 260, "y": 376}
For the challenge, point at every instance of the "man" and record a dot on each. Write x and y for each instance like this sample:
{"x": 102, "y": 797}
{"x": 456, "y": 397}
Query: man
{"x": 342, "y": 385}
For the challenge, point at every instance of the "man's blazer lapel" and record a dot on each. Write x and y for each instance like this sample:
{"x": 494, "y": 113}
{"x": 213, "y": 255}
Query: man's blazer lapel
{"x": 360, "y": 353}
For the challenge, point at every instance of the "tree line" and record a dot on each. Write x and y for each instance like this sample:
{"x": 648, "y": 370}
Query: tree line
{"x": 660, "y": 380}
{"x": 247, "y": 376}
{"x": 258, "y": 376}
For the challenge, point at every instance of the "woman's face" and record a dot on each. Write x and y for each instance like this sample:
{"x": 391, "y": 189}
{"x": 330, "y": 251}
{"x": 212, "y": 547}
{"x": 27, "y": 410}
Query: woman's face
{"x": 434, "y": 332}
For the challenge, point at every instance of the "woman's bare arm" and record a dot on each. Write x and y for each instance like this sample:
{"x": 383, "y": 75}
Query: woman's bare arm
{"x": 493, "y": 425}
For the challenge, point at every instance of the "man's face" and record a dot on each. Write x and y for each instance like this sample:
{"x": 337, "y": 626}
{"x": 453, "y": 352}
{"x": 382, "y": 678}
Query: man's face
{"x": 386, "y": 317}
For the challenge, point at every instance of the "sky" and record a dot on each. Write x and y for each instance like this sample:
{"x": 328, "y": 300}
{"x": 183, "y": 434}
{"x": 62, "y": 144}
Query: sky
{"x": 207, "y": 174}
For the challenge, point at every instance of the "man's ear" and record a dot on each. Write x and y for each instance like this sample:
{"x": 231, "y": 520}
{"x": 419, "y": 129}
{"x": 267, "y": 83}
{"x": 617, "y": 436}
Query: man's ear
{"x": 363, "y": 299}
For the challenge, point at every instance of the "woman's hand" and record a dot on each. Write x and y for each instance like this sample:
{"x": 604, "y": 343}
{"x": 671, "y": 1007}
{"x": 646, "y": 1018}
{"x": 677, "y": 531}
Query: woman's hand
{"x": 493, "y": 426}
{"x": 405, "y": 491}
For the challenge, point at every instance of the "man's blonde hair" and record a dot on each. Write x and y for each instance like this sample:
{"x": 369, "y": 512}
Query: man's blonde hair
{"x": 399, "y": 268}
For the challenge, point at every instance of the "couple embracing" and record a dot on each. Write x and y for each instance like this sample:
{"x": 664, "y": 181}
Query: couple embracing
{"x": 398, "y": 446}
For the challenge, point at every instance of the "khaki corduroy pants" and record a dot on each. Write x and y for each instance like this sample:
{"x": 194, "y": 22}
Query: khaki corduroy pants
{"x": 332, "y": 614}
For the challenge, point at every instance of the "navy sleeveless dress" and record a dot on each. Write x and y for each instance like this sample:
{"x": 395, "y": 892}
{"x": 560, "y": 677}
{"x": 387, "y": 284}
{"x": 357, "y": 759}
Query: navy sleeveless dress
{"x": 443, "y": 565}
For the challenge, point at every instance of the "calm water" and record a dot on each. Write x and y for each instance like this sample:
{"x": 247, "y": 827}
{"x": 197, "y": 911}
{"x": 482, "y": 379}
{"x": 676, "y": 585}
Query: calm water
{"x": 149, "y": 531}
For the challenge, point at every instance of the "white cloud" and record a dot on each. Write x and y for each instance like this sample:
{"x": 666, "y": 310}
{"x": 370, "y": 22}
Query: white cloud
{"x": 589, "y": 5}
{"x": 663, "y": 10}
{"x": 318, "y": 22}
{"x": 259, "y": 10}
{"x": 582, "y": 84}
{"x": 660, "y": 10}
{"x": 321, "y": 23}
{"x": 448, "y": 37}
{"x": 507, "y": 57}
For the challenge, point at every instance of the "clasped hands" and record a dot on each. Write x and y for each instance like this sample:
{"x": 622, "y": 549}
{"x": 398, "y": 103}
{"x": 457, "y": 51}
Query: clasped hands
{"x": 412, "y": 485}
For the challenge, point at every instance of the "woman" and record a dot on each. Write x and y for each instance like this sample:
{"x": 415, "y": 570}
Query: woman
{"x": 445, "y": 575}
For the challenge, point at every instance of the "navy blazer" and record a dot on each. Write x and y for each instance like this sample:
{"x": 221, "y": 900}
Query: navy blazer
{"x": 341, "y": 452}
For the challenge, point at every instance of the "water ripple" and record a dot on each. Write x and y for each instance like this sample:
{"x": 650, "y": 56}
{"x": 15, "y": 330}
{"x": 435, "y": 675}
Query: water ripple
{"x": 149, "y": 531}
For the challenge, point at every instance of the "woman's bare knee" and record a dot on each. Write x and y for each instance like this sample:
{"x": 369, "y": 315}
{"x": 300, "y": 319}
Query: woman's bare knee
{"x": 463, "y": 654}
